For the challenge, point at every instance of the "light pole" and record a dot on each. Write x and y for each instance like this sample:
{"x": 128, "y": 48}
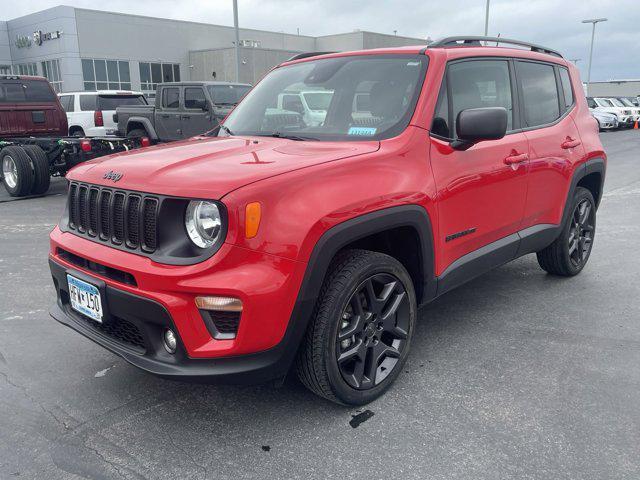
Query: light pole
{"x": 593, "y": 21}
{"x": 235, "y": 25}
{"x": 486, "y": 20}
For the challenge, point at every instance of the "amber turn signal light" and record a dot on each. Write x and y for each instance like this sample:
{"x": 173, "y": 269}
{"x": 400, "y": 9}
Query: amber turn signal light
{"x": 252, "y": 219}
{"x": 219, "y": 304}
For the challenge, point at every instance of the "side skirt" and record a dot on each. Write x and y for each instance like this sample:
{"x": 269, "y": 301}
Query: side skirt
{"x": 495, "y": 254}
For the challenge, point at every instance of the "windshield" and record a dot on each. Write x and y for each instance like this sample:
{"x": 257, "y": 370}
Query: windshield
{"x": 350, "y": 98}
{"x": 227, "y": 94}
{"x": 617, "y": 102}
{"x": 626, "y": 102}
{"x": 111, "y": 102}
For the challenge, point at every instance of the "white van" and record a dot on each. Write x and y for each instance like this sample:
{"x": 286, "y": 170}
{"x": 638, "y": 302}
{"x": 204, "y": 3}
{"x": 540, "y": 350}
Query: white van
{"x": 90, "y": 114}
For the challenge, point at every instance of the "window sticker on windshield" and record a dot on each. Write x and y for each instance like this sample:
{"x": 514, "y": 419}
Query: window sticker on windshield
{"x": 362, "y": 131}
{"x": 413, "y": 64}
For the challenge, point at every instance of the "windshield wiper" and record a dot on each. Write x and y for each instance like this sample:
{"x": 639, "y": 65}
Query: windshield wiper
{"x": 297, "y": 138}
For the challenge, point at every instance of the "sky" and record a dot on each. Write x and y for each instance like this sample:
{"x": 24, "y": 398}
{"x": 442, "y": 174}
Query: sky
{"x": 552, "y": 23}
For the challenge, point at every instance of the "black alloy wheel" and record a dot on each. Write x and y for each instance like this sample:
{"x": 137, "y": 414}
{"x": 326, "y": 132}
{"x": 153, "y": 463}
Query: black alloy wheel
{"x": 581, "y": 233}
{"x": 373, "y": 331}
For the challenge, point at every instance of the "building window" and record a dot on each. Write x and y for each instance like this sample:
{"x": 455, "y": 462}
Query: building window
{"x": 106, "y": 74}
{"x": 5, "y": 69}
{"x": 151, "y": 74}
{"x": 51, "y": 70}
{"x": 25, "y": 69}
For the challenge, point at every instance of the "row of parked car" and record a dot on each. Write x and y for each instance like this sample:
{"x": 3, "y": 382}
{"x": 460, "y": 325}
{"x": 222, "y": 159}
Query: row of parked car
{"x": 44, "y": 135}
{"x": 615, "y": 112}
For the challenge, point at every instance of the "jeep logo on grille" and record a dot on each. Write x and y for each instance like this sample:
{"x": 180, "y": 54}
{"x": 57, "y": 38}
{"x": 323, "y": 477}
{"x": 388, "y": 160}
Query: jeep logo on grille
{"x": 115, "y": 176}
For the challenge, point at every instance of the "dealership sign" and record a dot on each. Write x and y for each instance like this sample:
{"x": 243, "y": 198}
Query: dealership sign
{"x": 25, "y": 41}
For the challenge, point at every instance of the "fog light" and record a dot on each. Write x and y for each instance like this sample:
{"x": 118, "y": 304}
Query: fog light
{"x": 219, "y": 304}
{"x": 170, "y": 341}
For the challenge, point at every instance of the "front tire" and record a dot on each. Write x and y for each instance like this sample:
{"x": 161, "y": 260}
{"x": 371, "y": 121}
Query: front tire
{"x": 360, "y": 334}
{"x": 569, "y": 253}
{"x": 136, "y": 134}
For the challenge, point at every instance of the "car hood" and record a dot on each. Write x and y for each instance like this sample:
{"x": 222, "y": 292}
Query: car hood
{"x": 205, "y": 167}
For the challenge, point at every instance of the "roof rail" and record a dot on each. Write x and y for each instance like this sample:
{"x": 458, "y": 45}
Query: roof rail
{"x": 466, "y": 41}
{"x": 302, "y": 55}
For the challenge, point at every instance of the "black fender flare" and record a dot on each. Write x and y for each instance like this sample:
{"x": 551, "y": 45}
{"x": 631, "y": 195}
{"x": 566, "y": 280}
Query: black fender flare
{"x": 146, "y": 123}
{"x": 337, "y": 238}
{"x": 594, "y": 165}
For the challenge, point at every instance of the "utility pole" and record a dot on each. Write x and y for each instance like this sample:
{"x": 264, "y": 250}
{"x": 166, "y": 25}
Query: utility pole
{"x": 486, "y": 21}
{"x": 235, "y": 25}
{"x": 592, "y": 21}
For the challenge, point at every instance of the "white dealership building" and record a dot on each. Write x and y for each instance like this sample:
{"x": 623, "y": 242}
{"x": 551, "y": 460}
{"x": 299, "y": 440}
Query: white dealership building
{"x": 80, "y": 49}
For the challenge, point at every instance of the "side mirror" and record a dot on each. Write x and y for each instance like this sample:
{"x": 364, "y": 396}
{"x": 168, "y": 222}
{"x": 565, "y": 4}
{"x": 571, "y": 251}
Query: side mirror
{"x": 475, "y": 125}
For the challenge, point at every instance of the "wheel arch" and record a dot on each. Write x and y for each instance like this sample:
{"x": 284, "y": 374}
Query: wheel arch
{"x": 589, "y": 175}
{"x": 355, "y": 232}
{"x": 144, "y": 124}
{"x": 391, "y": 231}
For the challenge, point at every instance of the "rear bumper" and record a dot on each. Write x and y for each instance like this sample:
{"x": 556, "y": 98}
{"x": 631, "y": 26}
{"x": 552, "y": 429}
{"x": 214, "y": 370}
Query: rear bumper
{"x": 135, "y": 330}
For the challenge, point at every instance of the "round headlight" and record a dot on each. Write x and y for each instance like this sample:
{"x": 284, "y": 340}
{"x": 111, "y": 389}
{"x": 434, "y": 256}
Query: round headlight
{"x": 203, "y": 222}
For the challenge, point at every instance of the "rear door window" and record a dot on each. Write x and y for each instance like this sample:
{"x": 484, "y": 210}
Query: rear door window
{"x": 111, "y": 102}
{"x": 171, "y": 97}
{"x": 194, "y": 99}
{"x": 88, "y": 103}
{"x": 540, "y": 98}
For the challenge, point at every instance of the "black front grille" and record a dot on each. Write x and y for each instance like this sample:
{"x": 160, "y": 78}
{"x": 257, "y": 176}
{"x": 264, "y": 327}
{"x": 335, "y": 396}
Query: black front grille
{"x": 114, "y": 216}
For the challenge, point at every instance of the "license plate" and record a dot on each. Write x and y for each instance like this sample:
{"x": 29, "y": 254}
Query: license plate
{"x": 85, "y": 298}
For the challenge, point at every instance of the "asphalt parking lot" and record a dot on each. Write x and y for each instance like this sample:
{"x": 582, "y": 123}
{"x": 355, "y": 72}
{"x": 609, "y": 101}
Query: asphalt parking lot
{"x": 515, "y": 375}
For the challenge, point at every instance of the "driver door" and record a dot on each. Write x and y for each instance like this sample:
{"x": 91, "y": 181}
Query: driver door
{"x": 481, "y": 192}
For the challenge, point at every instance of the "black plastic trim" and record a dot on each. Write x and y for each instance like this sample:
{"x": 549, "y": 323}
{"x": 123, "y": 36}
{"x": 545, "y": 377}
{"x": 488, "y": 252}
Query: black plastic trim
{"x": 151, "y": 319}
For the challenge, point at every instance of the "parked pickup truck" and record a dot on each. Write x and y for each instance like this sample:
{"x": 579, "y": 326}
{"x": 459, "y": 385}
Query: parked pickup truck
{"x": 181, "y": 110}
{"x": 34, "y": 141}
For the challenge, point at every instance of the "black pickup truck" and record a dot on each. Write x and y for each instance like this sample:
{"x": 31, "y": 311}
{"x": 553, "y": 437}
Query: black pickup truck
{"x": 181, "y": 110}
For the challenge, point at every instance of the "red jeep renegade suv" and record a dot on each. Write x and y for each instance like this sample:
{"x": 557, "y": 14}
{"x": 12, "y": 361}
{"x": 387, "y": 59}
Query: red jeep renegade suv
{"x": 345, "y": 190}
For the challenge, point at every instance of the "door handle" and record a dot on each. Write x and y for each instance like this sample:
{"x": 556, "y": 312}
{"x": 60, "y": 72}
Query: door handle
{"x": 186, "y": 117}
{"x": 570, "y": 143}
{"x": 515, "y": 158}
{"x": 165, "y": 115}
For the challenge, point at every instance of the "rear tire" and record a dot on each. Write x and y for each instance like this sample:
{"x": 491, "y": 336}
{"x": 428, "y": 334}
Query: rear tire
{"x": 17, "y": 171}
{"x": 42, "y": 176}
{"x": 359, "y": 337}
{"x": 569, "y": 253}
{"x": 137, "y": 133}
{"x": 77, "y": 132}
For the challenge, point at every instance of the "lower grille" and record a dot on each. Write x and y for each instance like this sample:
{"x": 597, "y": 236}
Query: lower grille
{"x": 221, "y": 325}
{"x": 120, "y": 330}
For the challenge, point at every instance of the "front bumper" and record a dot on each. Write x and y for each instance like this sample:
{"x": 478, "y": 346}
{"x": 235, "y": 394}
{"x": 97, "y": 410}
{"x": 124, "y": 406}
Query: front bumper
{"x": 137, "y": 315}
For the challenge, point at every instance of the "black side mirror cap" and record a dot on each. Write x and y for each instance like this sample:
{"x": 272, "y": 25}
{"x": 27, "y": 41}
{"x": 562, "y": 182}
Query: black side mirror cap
{"x": 475, "y": 125}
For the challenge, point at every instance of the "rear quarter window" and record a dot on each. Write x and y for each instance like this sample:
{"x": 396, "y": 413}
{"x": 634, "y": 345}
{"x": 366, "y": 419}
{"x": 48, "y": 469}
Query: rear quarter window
{"x": 566, "y": 87}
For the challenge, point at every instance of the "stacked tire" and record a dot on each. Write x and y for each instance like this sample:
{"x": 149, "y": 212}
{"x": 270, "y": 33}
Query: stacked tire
{"x": 25, "y": 170}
